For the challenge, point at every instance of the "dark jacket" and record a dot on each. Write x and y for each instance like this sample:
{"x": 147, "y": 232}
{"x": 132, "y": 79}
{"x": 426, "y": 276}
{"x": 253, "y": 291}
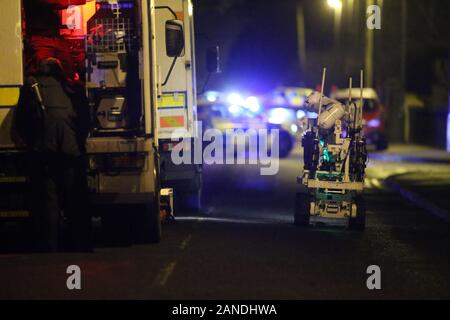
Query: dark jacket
{"x": 63, "y": 125}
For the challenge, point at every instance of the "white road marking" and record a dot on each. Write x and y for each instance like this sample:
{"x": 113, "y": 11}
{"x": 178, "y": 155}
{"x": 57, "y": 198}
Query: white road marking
{"x": 185, "y": 242}
{"x": 165, "y": 274}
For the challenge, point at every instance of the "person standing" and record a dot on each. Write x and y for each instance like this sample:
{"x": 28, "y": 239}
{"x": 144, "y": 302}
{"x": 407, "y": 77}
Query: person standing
{"x": 54, "y": 122}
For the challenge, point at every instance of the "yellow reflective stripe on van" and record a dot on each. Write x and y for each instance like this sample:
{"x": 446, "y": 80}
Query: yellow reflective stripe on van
{"x": 15, "y": 214}
{"x": 13, "y": 179}
{"x": 9, "y": 97}
{"x": 172, "y": 100}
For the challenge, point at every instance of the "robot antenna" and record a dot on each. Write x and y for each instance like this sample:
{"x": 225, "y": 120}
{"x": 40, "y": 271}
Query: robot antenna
{"x": 361, "y": 97}
{"x": 349, "y": 90}
{"x": 324, "y": 73}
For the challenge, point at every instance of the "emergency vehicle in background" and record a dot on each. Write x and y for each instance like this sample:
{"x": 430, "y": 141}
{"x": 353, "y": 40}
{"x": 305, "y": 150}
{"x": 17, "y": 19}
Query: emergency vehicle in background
{"x": 118, "y": 40}
{"x": 284, "y": 108}
{"x": 374, "y": 116}
{"x": 233, "y": 114}
{"x": 222, "y": 111}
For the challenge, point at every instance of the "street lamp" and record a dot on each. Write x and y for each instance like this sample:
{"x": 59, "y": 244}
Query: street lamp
{"x": 335, "y": 4}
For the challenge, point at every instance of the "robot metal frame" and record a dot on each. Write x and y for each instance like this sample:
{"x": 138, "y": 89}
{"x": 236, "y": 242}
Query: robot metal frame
{"x": 335, "y": 158}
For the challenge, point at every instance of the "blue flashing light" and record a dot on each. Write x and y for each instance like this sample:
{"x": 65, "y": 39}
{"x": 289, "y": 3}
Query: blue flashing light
{"x": 235, "y": 99}
{"x": 211, "y": 96}
{"x": 234, "y": 109}
{"x": 252, "y": 103}
{"x": 280, "y": 115}
{"x": 301, "y": 114}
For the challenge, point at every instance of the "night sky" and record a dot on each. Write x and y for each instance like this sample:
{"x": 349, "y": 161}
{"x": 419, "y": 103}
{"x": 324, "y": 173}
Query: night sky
{"x": 258, "y": 41}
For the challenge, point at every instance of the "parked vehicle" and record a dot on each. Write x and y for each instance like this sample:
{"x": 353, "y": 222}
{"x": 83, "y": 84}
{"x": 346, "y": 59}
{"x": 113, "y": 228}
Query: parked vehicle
{"x": 118, "y": 42}
{"x": 374, "y": 115}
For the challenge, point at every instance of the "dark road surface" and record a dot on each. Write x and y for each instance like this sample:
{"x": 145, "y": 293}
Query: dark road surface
{"x": 245, "y": 246}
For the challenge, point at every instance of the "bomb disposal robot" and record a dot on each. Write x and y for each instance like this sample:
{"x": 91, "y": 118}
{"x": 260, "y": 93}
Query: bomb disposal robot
{"x": 334, "y": 163}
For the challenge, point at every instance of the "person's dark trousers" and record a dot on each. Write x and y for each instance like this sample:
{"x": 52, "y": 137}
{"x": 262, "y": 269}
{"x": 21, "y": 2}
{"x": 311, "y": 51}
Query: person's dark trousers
{"x": 58, "y": 184}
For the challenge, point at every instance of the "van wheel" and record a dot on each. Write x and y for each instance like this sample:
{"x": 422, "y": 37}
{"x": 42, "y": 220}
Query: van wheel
{"x": 117, "y": 225}
{"x": 302, "y": 206}
{"x": 148, "y": 223}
